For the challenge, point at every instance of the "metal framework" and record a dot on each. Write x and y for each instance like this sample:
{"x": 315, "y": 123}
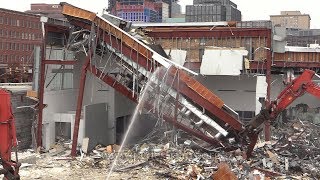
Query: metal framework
{"x": 143, "y": 61}
{"x": 133, "y": 56}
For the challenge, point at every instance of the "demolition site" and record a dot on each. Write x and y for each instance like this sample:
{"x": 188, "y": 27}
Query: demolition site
{"x": 143, "y": 91}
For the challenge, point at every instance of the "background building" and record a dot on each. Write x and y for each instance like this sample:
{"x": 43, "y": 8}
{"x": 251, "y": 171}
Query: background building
{"x": 291, "y": 19}
{"x": 19, "y": 33}
{"x": 145, "y": 10}
{"x": 48, "y": 10}
{"x": 303, "y": 37}
{"x": 212, "y": 10}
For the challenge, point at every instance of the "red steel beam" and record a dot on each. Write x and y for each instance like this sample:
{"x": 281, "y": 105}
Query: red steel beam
{"x": 128, "y": 93}
{"x": 283, "y": 64}
{"x": 219, "y": 33}
{"x": 142, "y": 61}
{"x": 116, "y": 44}
{"x": 41, "y": 89}
{"x": 79, "y": 105}
{"x": 113, "y": 83}
{"x": 60, "y": 62}
{"x": 198, "y": 99}
{"x": 262, "y": 65}
{"x": 268, "y": 80}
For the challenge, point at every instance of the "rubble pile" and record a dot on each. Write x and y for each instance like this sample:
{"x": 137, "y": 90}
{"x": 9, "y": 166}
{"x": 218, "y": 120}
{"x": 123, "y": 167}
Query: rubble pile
{"x": 293, "y": 153}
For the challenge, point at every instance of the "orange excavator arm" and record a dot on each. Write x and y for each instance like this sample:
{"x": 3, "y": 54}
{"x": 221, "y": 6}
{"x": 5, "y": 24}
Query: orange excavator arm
{"x": 295, "y": 89}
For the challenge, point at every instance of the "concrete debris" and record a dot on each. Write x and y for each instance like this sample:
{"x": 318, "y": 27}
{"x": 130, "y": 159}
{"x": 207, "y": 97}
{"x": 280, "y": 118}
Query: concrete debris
{"x": 293, "y": 153}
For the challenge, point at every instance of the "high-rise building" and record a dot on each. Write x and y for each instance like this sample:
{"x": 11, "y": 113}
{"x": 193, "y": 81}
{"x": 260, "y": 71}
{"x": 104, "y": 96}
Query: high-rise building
{"x": 162, "y": 10}
{"x": 135, "y": 10}
{"x": 144, "y": 10}
{"x": 212, "y": 10}
{"x": 291, "y": 19}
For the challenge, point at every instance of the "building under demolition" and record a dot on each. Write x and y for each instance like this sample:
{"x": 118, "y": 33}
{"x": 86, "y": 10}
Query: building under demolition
{"x": 197, "y": 89}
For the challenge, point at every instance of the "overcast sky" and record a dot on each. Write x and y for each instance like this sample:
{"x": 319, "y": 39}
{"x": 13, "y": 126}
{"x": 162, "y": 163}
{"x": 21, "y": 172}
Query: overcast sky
{"x": 251, "y": 9}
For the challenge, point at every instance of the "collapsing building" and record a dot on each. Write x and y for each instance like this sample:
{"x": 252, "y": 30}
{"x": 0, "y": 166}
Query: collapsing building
{"x": 120, "y": 66}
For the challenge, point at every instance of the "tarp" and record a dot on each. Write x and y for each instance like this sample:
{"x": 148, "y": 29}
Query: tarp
{"x": 222, "y": 61}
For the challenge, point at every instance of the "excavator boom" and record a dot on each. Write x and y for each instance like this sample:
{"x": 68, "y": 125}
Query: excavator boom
{"x": 8, "y": 138}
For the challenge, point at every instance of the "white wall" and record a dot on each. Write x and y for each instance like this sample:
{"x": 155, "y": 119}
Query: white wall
{"x": 242, "y": 98}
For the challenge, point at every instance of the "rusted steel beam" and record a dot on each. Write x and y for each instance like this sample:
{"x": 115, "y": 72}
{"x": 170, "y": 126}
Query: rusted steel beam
{"x": 60, "y": 62}
{"x": 79, "y": 106}
{"x": 126, "y": 50}
{"x": 267, "y": 129}
{"x": 187, "y": 91}
{"x": 113, "y": 83}
{"x": 41, "y": 89}
{"x": 128, "y": 93}
{"x": 73, "y": 11}
{"x": 281, "y": 64}
{"x": 201, "y": 99}
{"x": 296, "y": 64}
{"x": 57, "y": 28}
{"x": 195, "y": 33}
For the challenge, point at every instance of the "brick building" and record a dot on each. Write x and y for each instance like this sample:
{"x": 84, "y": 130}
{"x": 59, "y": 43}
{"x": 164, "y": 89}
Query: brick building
{"x": 48, "y": 10}
{"x": 19, "y": 33}
{"x": 212, "y": 11}
{"x": 292, "y": 19}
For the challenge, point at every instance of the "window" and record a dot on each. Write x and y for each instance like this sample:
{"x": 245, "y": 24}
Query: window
{"x": 22, "y": 35}
{"x": 18, "y": 22}
{"x": 33, "y": 37}
{"x": 1, "y": 20}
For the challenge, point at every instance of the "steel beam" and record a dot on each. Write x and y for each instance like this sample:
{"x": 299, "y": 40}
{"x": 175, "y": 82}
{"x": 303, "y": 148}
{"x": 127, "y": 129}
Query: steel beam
{"x": 126, "y": 50}
{"x": 41, "y": 89}
{"x": 60, "y": 62}
{"x": 79, "y": 105}
{"x": 268, "y": 81}
{"x": 214, "y": 33}
{"x": 128, "y": 93}
{"x": 113, "y": 83}
{"x": 184, "y": 89}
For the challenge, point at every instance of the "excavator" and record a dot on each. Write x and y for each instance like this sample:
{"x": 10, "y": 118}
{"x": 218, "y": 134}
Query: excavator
{"x": 298, "y": 87}
{"x": 8, "y": 138}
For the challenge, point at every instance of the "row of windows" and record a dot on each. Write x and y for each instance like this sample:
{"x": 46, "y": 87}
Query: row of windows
{"x": 20, "y": 35}
{"x": 15, "y": 59}
{"x": 20, "y": 23}
{"x": 16, "y": 46}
